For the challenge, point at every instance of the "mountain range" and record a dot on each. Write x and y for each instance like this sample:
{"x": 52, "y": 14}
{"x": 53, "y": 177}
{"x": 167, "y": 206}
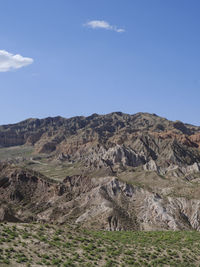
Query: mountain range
{"x": 115, "y": 172}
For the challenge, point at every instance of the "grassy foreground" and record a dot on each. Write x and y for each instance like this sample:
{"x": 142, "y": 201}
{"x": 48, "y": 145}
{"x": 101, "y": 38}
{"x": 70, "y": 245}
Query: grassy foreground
{"x": 51, "y": 245}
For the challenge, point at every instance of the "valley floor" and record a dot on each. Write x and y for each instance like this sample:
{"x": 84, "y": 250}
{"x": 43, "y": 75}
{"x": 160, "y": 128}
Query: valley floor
{"x": 51, "y": 245}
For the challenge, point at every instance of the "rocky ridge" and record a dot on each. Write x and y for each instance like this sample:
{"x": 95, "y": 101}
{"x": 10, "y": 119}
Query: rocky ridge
{"x": 114, "y": 140}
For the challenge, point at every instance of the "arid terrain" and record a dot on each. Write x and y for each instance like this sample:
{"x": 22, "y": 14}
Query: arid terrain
{"x": 104, "y": 173}
{"x": 34, "y": 244}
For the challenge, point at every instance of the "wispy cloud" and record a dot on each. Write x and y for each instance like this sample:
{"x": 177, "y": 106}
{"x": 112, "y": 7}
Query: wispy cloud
{"x": 102, "y": 24}
{"x": 10, "y": 61}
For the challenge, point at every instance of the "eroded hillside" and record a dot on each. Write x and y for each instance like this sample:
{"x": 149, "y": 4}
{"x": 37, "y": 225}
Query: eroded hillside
{"x": 112, "y": 172}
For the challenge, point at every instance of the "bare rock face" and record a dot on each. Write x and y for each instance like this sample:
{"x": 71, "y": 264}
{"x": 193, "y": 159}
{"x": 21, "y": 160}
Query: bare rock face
{"x": 103, "y": 203}
{"x": 196, "y": 138}
{"x": 7, "y": 215}
{"x": 151, "y": 166}
{"x": 113, "y": 156}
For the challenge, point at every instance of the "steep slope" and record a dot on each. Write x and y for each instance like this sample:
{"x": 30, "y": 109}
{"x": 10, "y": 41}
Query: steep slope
{"x": 115, "y": 141}
{"x": 103, "y": 203}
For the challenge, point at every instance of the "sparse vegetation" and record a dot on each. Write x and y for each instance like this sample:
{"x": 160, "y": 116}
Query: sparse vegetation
{"x": 21, "y": 244}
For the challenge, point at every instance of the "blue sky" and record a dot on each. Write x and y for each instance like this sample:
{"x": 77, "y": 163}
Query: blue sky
{"x": 68, "y": 67}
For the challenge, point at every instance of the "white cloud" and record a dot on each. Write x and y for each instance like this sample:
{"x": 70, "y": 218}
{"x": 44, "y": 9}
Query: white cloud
{"x": 9, "y": 61}
{"x": 102, "y": 24}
